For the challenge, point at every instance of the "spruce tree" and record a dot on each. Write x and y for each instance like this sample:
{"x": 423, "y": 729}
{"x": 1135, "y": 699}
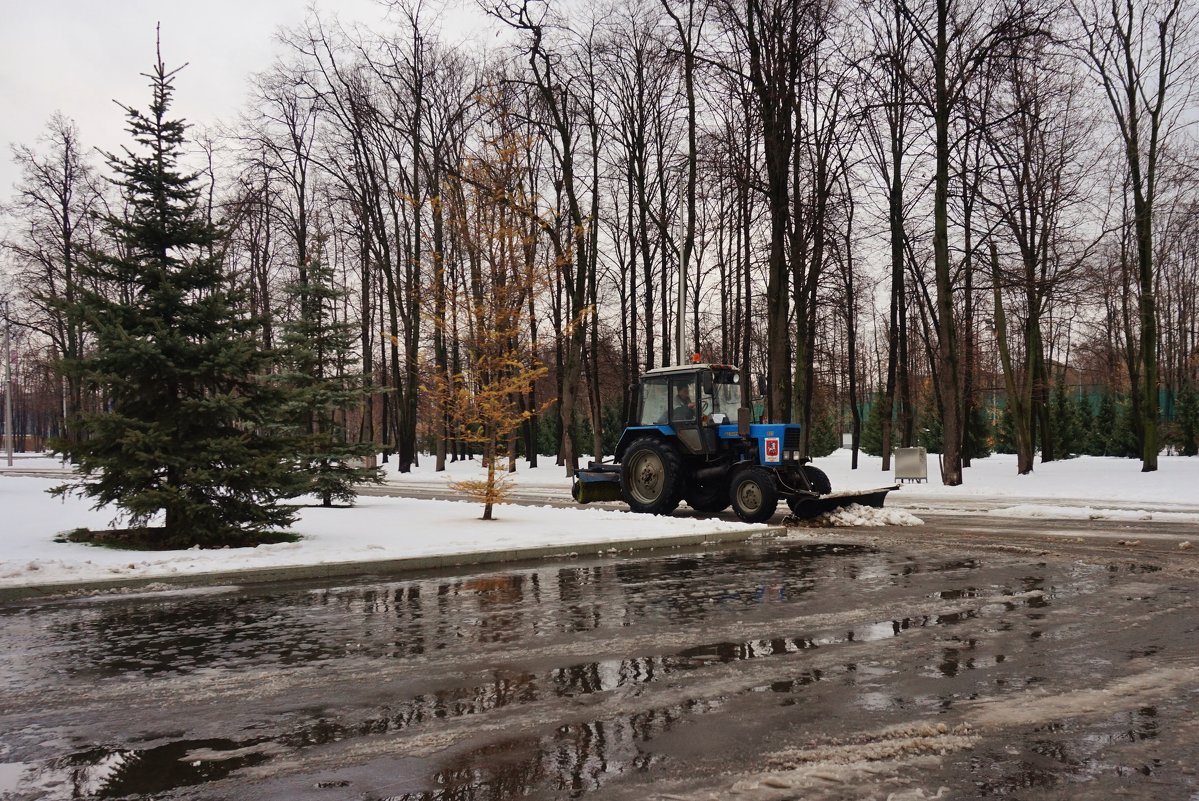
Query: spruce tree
{"x": 871, "y": 442}
{"x": 1124, "y": 438}
{"x": 1188, "y": 422}
{"x": 188, "y": 429}
{"x": 1005, "y": 432}
{"x": 824, "y": 439}
{"x": 1065, "y": 424}
{"x": 319, "y": 350}
{"x": 978, "y": 435}
{"x": 1084, "y": 416}
{"x": 1104, "y": 427}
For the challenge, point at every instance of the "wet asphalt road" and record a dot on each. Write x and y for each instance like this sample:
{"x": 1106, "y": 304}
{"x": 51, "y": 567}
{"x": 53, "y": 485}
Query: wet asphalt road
{"x": 928, "y": 664}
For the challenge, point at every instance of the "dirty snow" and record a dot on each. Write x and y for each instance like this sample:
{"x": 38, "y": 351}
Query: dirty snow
{"x": 857, "y": 515}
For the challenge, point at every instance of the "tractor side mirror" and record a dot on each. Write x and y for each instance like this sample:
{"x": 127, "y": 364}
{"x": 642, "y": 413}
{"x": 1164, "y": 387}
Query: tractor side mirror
{"x": 743, "y": 422}
{"x": 707, "y": 384}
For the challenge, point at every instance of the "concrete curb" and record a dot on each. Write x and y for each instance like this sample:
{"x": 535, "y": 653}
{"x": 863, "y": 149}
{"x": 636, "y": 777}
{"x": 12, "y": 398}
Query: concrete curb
{"x": 388, "y": 567}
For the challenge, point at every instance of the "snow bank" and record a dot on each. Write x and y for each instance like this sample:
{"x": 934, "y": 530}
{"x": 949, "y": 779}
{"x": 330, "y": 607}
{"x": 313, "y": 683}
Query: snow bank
{"x": 377, "y": 529}
{"x": 856, "y": 515}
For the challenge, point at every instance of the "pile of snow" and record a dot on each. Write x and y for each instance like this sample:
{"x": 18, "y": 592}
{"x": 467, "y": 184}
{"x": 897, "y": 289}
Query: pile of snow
{"x": 857, "y": 515}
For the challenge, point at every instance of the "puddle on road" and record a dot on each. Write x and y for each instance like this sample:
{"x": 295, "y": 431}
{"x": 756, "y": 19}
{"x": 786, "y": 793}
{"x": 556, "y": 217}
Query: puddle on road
{"x": 409, "y": 619}
{"x": 1068, "y": 752}
{"x": 576, "y": 758}
{"x": 104, "y": 772}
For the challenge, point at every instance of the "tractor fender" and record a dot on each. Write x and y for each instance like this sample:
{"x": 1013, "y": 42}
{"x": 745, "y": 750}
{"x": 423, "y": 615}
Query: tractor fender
{"x": 749, "y": 464}
{"x": 637, "y": 432}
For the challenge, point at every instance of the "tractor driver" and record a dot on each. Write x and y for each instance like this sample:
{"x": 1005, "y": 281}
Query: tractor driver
{"x": 684, "y": 409}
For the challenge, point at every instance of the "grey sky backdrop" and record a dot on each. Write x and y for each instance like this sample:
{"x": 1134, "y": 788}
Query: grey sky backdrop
{"x": 77, "y": 56}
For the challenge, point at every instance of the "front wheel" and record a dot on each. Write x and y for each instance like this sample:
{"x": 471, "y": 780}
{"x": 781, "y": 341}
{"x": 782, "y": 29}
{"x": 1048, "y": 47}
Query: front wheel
{"x": 649, "y": 476}
{"x": 753, "y": 495}
{"x": 818, "y": 481}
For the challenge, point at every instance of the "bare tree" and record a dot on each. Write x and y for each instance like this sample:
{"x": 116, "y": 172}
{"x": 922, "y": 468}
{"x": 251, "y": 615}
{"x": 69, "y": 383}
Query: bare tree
{"x": 1144, "y": 56}
{"x": 957, "y": 40}
{"x": 889, "y": 122}
{"x": 57, "y": 199}
{"x": 1035, "y": 191}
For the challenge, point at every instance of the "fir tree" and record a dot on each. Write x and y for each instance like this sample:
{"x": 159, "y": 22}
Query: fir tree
{"x": 1084, "y": 417}
{"x": 1065, "y": 424}
{"x": 977, "y": 442}
{"x": 1106, "y": 423}
{"x": 931, "y": 434}
{"x": 1005, "y": 432}
{"x": 871, "y": 442}
{"x": 824, "y": 439}
{"x": 318, "y": 350}
{"x": 188, "y": 430}
{"x": 1124, "y": 438}
{"x": 1188, "y": 422}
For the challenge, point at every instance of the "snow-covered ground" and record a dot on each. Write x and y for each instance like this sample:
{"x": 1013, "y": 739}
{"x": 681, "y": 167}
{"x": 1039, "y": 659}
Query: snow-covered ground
{"x": 376, "y": 529}
{"x": 1087, "y": 487}
{"x": 380, "y": 529}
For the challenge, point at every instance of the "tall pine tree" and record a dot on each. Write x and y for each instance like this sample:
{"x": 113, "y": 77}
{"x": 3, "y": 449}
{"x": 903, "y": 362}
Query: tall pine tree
{"x": 188, "y": 432}
{"x": 319, "y": 356}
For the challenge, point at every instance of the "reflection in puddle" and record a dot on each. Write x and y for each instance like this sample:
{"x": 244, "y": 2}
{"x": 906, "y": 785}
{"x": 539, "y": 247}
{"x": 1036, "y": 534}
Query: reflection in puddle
{"x": 576, "y": 758}
{"x": 461, "y": 620}
{"x": 119, "y": 772}
{"x": 1069, "y": 751}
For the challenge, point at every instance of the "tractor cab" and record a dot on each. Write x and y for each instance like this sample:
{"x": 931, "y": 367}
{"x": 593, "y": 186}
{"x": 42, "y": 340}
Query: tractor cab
{"x": 688, "y": 402}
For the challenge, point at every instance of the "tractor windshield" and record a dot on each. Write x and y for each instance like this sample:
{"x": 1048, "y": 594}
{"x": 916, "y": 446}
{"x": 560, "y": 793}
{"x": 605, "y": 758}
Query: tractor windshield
{"x": 655, "y": 402}
{"x": 726, "y": 391}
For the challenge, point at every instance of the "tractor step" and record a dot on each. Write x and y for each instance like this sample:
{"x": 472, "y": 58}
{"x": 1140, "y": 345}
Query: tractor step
{"x": 813, "y": 507}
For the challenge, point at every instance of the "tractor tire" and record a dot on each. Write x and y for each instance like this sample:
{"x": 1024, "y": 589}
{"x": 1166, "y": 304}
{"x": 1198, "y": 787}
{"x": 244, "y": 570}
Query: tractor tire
{"x": 650, "y": 476}
{"x": 820, "y": 485}
{"x": 709, "y": 497}
{"x": 753, "y": 495}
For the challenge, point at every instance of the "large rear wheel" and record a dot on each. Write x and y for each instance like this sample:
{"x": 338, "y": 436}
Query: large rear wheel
{"x": 753, "y": 495}
{"x": 649, "y": 476}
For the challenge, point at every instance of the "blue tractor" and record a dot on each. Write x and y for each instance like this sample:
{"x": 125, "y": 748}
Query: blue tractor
{"x": 690, "y": 439}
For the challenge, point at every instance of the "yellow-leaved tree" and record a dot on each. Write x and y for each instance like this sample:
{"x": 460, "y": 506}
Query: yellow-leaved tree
{"x": 492, "y": 210}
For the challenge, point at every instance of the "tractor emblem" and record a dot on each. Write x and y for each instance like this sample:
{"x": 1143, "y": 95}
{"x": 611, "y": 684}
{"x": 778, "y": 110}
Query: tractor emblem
{"x": 772, "y": 449}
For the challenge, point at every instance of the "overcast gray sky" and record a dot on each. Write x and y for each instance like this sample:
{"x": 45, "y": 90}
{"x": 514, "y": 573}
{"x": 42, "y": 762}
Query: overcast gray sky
{"x": 77, "y": 56}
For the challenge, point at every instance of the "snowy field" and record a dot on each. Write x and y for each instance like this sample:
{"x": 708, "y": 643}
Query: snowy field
{"x": 381, "y": 528}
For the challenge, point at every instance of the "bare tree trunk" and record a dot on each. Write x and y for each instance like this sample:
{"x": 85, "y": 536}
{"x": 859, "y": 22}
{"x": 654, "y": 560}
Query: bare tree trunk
{"x": 949, "y": 385}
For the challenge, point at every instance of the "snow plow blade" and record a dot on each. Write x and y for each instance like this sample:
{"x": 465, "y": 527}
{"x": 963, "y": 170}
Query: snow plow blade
{"x": 838, "y": 500}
